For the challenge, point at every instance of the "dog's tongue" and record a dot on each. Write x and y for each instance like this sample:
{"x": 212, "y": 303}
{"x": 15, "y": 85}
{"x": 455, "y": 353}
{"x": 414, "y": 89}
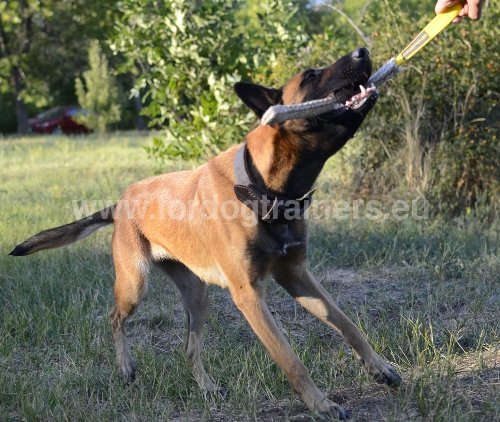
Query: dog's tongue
{"x": 358, "y": 100}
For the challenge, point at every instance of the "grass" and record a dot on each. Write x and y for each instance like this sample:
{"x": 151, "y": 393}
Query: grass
{"x": 425, "y": 292}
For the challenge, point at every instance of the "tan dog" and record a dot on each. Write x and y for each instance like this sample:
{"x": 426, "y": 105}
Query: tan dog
{"x": 235, "y": 221}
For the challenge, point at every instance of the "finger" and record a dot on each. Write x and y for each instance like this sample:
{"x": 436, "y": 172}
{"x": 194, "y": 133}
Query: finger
{"x": 444, "y": 4}
{"x": 464, "y": 11}
{"x": 474, "y": 9}
{"x": 458, "y": 19}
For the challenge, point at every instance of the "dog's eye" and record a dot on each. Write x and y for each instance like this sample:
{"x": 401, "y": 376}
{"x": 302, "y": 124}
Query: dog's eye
{"x": 310, "y": 75}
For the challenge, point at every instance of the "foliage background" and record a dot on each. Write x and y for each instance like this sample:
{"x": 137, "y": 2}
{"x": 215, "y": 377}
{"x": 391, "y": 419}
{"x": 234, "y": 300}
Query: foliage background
{"x": 434, "y": 131}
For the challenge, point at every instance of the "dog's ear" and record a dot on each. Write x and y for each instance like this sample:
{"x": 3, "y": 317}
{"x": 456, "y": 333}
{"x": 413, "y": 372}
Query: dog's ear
{"x": 257, "y": 97}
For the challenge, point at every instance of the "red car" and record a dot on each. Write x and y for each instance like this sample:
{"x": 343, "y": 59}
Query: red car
{"x": 59, "y": 120}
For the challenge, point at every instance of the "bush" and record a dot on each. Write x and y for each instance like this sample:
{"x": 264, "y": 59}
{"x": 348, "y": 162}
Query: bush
{"x": 440, "y": 116}
{"x": 98, "y": 96}
{"x": 190, "y": 55}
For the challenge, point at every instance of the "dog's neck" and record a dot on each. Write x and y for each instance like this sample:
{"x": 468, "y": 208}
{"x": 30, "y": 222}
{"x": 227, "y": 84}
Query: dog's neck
{"x": 279, "y": 162}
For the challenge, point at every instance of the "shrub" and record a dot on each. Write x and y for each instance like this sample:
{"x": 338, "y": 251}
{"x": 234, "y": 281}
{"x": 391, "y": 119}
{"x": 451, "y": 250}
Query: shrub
{"x": 190, "y": 55}
{"x": 442, "y": 112}
{"x": 98, "y": 95}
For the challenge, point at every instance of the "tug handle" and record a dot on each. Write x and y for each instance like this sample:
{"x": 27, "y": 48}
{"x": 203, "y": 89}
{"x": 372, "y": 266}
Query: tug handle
{"x": 434, "y": 27}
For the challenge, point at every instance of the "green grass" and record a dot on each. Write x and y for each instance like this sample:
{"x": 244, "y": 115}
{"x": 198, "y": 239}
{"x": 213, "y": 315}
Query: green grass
{"x": 425, "y": 293}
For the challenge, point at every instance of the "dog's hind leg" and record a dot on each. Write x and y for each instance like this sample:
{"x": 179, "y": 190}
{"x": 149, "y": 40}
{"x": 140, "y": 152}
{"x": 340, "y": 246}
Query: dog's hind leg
{"x": 194, "y": 294}
{"x": 302, "y": 285}
{"x": 131, "y": 260}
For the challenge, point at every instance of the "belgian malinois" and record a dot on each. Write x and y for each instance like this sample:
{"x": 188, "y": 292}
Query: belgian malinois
{"x": 176, "y": 221}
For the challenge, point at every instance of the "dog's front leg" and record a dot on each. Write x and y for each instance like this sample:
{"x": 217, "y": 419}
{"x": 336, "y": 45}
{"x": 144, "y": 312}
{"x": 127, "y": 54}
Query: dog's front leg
{"x": 302, "y": 285}
{"x": 250, "y": 300}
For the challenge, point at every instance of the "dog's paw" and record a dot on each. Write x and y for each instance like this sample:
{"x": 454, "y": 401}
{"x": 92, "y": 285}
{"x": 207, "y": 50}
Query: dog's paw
{"x": 332, "y": 411}
{"x": 218, "y": 392}
{"x": 382, "y": 372}
{"x": 222, "y": 392}
{"x": 127, "y": 369}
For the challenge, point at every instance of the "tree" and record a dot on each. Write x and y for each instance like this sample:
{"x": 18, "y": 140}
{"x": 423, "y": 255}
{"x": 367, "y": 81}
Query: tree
{"x": 41, "y": 43}
{"x": 99, "y": 94}
{"x": 17, "y": 29}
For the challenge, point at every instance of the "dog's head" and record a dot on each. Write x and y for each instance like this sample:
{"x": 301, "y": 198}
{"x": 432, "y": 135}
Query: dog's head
{"x": 342, "y": 79}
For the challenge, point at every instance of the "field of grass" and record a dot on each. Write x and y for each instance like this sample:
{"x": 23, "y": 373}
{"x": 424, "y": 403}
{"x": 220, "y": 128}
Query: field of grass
{"x": 425, "y": 292}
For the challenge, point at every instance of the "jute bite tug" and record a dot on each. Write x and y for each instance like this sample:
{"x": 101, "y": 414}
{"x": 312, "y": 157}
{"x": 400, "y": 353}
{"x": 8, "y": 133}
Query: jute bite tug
{"x": 234, "y": 222}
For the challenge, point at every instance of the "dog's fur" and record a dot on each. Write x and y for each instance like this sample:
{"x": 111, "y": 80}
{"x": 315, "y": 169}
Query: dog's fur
{"x": 195, "y": 251}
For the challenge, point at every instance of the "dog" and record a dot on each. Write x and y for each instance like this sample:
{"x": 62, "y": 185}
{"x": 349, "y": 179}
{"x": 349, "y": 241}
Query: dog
{"x": 267, "y": 184}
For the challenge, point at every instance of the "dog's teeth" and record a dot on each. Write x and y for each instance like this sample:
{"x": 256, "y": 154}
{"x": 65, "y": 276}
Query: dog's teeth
{"x": 363, "y": 89}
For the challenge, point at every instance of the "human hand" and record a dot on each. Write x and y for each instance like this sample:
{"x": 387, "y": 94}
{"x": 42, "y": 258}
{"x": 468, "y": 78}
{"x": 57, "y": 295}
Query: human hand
{"x": 471, "y": 8}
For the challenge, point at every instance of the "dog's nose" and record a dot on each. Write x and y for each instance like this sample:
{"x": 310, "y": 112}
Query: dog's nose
{"x": 360, "y": 54}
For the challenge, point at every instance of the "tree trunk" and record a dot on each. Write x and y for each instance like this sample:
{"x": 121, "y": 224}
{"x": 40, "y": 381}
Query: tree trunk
{"x": 23, "y": 126}
{"x": 140, "y": 123}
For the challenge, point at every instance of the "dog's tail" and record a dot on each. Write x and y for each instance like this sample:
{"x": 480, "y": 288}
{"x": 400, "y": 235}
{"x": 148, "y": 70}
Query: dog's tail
{"x": 64, "y": 235}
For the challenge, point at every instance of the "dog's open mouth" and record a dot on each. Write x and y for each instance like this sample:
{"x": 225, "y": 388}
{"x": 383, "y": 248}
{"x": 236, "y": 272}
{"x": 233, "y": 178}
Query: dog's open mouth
{"x": 358, "y": 100}
{"x": 343, "y": 99}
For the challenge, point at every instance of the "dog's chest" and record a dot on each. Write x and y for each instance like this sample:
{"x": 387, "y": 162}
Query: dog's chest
{"x": 278, "y": 240}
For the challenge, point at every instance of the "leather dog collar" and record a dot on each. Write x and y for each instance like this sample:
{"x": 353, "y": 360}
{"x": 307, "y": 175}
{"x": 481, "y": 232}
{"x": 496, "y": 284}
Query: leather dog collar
{"x": 267, "y": 206}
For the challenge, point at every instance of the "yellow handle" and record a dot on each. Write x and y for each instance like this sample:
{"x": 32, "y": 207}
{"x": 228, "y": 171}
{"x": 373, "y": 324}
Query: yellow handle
{"x": 435, "y": 26}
